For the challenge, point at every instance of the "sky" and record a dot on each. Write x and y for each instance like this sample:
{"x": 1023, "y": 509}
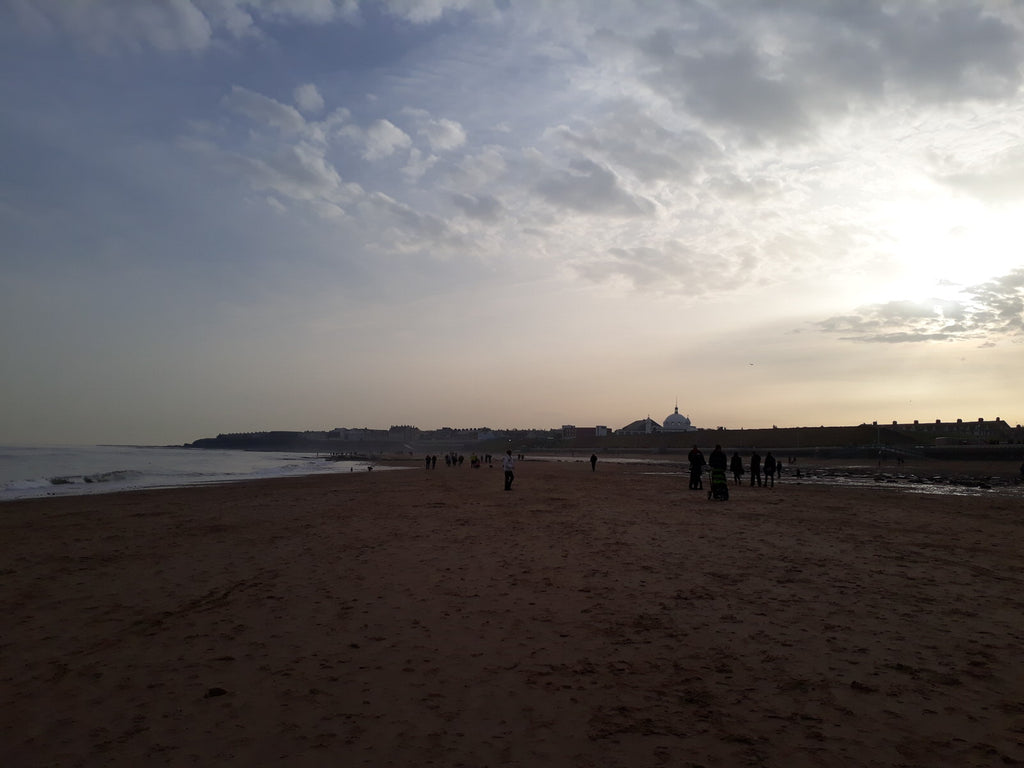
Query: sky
{"x": 240, "y": 215}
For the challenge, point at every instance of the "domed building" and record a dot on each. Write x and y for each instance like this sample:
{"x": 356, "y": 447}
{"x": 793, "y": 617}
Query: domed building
{"x": 676, "y": 422}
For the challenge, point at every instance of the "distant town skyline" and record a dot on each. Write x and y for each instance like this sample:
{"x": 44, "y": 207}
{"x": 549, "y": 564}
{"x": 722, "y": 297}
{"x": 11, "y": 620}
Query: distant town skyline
{"x": 637, "y": 424}
{"x": 232, "y": 215}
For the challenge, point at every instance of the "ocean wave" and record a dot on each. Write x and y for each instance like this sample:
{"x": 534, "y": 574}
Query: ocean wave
{"x": 32, "y": 473}
{"x": 115, "y": 476}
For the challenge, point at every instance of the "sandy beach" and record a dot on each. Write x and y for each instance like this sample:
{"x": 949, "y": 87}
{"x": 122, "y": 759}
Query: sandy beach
{"x": 427, "y": 618}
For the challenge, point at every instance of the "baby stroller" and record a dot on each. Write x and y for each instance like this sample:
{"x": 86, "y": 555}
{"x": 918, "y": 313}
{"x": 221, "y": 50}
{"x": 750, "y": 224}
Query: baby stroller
{"x": 719, "y": 487}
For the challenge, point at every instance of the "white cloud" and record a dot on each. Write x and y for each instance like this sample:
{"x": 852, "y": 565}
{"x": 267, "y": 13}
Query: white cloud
{"x": 418, "y": 164}
{"x": 300, "y": 172}
{"x": 382, "y": 138}
{"x": 264, "y": 110}
{"x": 313, "y": 11}
{"x": 444, "y": 134}
{"x": 996, "y": 178}
{"x": 308, "y": 99}
{"x": 990, "y": 310}
{"x": 483, "y": 167}
{"x": 423, "y": 11}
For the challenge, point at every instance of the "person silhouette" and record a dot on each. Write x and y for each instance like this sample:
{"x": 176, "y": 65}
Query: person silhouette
{"x": 508, "y": 464}
{"x": 769, "y": 470}
{"x": 696, "y": 468}
{"x": 736, "y": 467}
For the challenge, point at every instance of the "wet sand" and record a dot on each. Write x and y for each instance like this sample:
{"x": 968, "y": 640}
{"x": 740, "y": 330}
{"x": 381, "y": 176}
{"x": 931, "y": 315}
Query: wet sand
{"x": 583, "y": 619}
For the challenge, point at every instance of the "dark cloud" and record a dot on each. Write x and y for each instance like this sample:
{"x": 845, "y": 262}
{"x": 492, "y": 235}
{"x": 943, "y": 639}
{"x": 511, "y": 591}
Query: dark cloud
{"x": 991, "y": 309}
{"x": 772, "y": 71}
{"x": 948, "y": 54}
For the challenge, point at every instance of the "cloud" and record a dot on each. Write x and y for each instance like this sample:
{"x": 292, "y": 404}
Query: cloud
{"x": 381, "y": 139}
{"x": 994, "y": 309}
{"x": 951, "y": 53}
{"x": 628, "y": 139}
{"x": 418, "y": 164}
{"x": 408, "y": 230}
{"x": 642, "y": 267}
{"x": 444, "y": 134}
{"x": 105, "y": 27}
{"x": 481, "y": 168}
{"x": 773, "y": 72}
{"x": 423, "y": 11}
{"x": 308, "y": 99}
{"x": 483, "y": 207}
{"x": 732, "y": 88}
{"x": 169, "y": 25}
{"x": 594, "y": 189}
{"x": 300, "y": 172}
{"x": 264, "y": 110}
{"x": 995, "y": 178}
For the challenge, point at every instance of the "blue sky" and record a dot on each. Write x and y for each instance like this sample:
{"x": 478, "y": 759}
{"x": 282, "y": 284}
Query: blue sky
{"x": 259, "y": 214}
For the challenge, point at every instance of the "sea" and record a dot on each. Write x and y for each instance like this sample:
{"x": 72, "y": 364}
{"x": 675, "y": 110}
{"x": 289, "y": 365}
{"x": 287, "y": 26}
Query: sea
{"x": 37, "y": 471}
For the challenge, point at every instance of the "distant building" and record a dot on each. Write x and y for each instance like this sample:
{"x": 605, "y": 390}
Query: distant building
{"x": 676, "y": 422}
{"x": 572, "y": 432}
{"x": 646, "y": 426}
{"x": 980, "y": 431}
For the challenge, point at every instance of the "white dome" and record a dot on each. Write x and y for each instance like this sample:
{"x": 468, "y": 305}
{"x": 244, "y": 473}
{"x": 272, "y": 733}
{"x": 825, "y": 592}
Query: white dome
{"x": 676, "y": 422}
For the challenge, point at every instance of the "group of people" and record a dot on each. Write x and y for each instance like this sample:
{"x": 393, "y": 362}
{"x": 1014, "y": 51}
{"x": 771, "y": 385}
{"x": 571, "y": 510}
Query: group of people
{"x": 455, "y": 459}
{"x": 719, "y": 462}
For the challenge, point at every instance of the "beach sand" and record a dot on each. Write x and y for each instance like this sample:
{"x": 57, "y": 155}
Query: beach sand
{"x": 415, "y": 618}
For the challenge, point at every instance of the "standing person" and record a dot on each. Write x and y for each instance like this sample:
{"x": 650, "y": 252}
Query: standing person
{"x": 755, "y": 469}
{"x": 509, "y": 465}
{"x": 718, "y": 460}
{"x": 696, "y": 468}
{"x": 593, "y": 462}
{"x": 736, "y": 467}
{"x": 769, "y": 470}
{"x": 719, "y": 463}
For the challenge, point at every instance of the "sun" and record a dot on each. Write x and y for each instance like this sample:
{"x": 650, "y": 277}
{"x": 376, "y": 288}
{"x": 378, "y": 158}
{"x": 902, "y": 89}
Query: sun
{"x": 939, "y": 247}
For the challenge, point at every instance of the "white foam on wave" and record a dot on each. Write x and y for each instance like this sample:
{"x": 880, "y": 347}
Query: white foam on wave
{"x": 34, "y": 472}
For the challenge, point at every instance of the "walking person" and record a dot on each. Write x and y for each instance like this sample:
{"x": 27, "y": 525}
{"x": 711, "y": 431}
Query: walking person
{"x": 593, "y": 462}
{"x": 509, "y": 465}
{"x": 755, "y": 469}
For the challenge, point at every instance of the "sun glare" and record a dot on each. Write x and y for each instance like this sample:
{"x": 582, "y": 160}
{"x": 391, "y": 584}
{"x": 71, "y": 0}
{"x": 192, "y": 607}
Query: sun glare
{"x": 938, "y": 248}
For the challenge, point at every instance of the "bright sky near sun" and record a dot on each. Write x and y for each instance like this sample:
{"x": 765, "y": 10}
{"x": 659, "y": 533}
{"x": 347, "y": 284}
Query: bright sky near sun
{"x": 235, "y": 215}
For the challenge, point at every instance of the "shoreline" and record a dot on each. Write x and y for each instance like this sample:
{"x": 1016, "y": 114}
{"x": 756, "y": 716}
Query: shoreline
{"x": 921, "y": 474}
{"x": 607, "y": 618}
